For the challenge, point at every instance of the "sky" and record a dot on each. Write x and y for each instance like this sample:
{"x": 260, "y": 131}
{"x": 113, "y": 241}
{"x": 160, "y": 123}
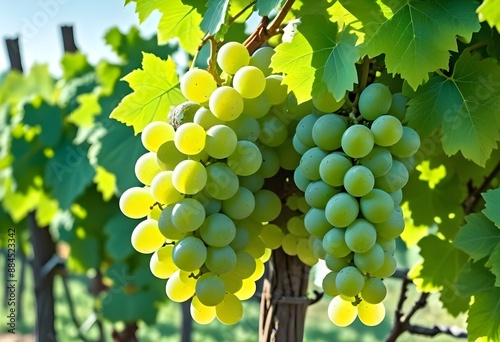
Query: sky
{"x": 37, "y": 24}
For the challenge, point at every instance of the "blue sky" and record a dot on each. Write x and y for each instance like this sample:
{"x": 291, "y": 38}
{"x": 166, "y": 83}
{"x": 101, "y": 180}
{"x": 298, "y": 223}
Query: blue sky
{"x": 37, "y": 23}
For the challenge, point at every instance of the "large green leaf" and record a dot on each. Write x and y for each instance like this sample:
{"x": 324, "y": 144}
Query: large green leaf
{"x": 494, "y": 263}
{"x": 478, "y": 237}
{"x": 474, "y": 278}
{"x": 492, "y": 210}
{"x": 265, "y": 7}
{"x": 215, "y": 16}
{"x": 464, "y": 105}
{"x": 484, "y": 316}
{"x": 490, "y": 11}
{"x": 48, "y": 118}
{"x": 156, "y": 89}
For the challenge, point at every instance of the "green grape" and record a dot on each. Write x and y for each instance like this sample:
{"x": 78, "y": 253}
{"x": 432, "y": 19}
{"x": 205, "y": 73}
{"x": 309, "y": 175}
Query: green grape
{"x": 407, "y": 145}
{"x": 379, "y": 161}
{"x": 246, "y": 159}
{"x": 357, "y": 141}
{"x": 275, "y": 89}
{"x": 333, "y": 168}
{"x": 316, "y": 222}
{"x": 220, "y": 260}
{"x": 220, "y": 142}
{"x": 395, "y": 179}
{"x": 288, "y": 158}
{"x": 189, "y": 177}
{"x": 318, "y": 193}
{"x": 245, "y": 265}
{"x": 257, "y": 107}
{"x": 253, "y": 182}
{"x": 350, "y": 281}
{"x": 388, "y": 267}
{"x": 255, "y": 247}
{"x": 360, "y": 236}
{"x": 146, "y": 237}
{"x": 241, "y": 238}
{"x": 272, "y": 235}
{"x": 218, "y": 230}
{"x": 371, "y": 314}
{"x": 301, "y": 181}
{"x": 178, "y": 290}
{"x": 206, "y": 119}
{"x": 161, "y": 264}
{"x": 163, "y": 190}
{"x": 328, "y": 130}
{"x": 273, "y": 132}
{"x": 210, "y": 204}
{"x": 318, "y": 249}
{"x": 146, "y": 168}
{"x": 393, "y": 227}
{"x": 245, "y": 127}
{"x": 398, "y": 106}
{"x": 329, "y": 286}
{"x": 342, "y": 313}
{"x": 336, "y": 264}
{"x": 408, "y": 162}
{"x": 210, "y": 289}
{"x": 267, "y": 255}
{"x": 388, "y": 245}
{"x": 187, "y": 215}
{"x": 189, "y": 253}
{"x": 168, "y": 156}
{"x": 326, "y": 103}
{"x": 359, "y": 180}
{"x": 334, "y": 243}
{"x": 374, "y": 291}
{"x": 166, "y": 225}
{"x": 247, "y": 290}
{"x": 387, "y": 130}
{"x": 290, "y": 244}
{"x": 341, "y": 210}
{"x": 239, "y": 206}
{"x": 259, "y": 270}
{"x": 267, "y": 206}
{"x": 304, "y": 130}
{"x": 376, "y": 206}
{"x": 375, "y": 100}
{"x": 232, "y": 56}
{"x": 230, "y": 311}
{"x": 200, "y": 313}
{"x": 222, "y": 182}
{"x": 226, "y": 103}
{"x": 190, "y": 138}
{"x": 305, "y": 253}
{"x": 302, "y": 205}
{"x": 155, "y": 134}
{"x": 233, "y": 283}
{"x": 371, "y": 260}
{"x": 295, "y": 225}
{"x": 253, "y": 226}
{"x": 270, "y": 162}
{"x": 136, "y": 202}
{"x": 249, "y": 81}
{"x": 397, "y": 197}
{"x": 299, "y": 147}
{"x": 197, "y": 85}
{"x": 261, "y": 59}
{"x": 310, "y": 162}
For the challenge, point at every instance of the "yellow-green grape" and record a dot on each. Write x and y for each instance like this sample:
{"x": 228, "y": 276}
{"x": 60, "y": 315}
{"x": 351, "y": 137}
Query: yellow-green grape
{"x": 317, "y": 248}
{"x": 233, "y": 283}
{"x": 270, "y": 162}
{"x": 328, "y": 130}
{"x": 187, "y": 215}
{"x": 146, "y": 237}
{"x": 252, "y": 226}
{"x": 239, "y": 206}
{"x": 197, "y": 85}
{"x": 245, "y": 265}
{"x": 359, "y": 181}
{"x": 316, "y": 222}
{"x": 267, "y": 255}
{"x": 379, "y": 161}
{"x": 217, "y": 230}
{"x": 226, "y": 103}
{"x": 246, "y": 159}
{"x": 360, "y": 236}
{"x": 272, "y": 235}
{"x": 341, "y": 210}
{"x": 310, "y": 162}
{"x": 388, "y": 267}
{"x": 318, "y": 193}
{"x": 336, "y": 264}
{"x": 210, "y": 204}
{"x": 189, "y": 253}
{"x": 247, "y": 289}
{"x": 375, "y": 100}
{"x": 245, "y": 127}
{"x": 305, "y": 253}
{"x": 371, "y": 314}
{"x": 334, "y": 243}
{"x": 261, "y": 59}
{"x": 398, "y": 106}
{"x": 273, "y": 132}
{"x": 222, "y": 182}
{"x": 326, "y": 103}
{"x": 388, "y": 245}
{"x": 256, "y": 247}
{"x": 376, "y": 206}
{"x": 253, "y": 182}
{"x": 289, "y": 159}
{"x": 300, "y": 180}
{"x": 232, "y": 56}
{"x": 302, "y": 205}
{"x": 249, "y": 81}
{"x": 178, "y": 290}
{"x": 329, "y": 286}
{"x": 190, "y": 138}
{"x": 259, "y": 268}
{"x": 295, "y": 225}
{"x": 407, "y": 145}
{"x": 230, "y": 311}
{"x": 395, "y": 179}
{"x": 155, "y": 134}
{"x": 200, "y": 313}
{"x": 163, "y": 190}
{"x": 166, "y": 226}
{"x": 342, "y": 313}
{"x": 146, "y": 168}
{"x": 161, "y": 264}
{"x": 221, "y": 141}
{"x": 257, "y": 107}
{"x": 189, "y": 177}
{"x": 275, "y": 90}
{"x": 290, "y": 244}
{"x": 371, "y": 260}
{"x": 168, "y": 156}
{"x": 374, "y": 291}
{"x": 357, "y": 141}
{"x": 393, "y": 227}
{"x": 267, "y": 206}
{"x": 220, "y": 260}
{"x": 350, "y": 281}
{"x": 387, "y": 130}
{"x": 136, "y": 202}
{"x": 210, "y": 289}
{"x": 304, "y": 130}
{"x": 206, "y": 119}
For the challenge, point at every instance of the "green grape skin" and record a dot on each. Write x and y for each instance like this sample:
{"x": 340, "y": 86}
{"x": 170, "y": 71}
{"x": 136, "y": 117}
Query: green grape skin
{"x": 327, "y": 103}
{"x": 350, "y": 281}
{"x": 217, "y": 230}
{"x": 232, "y": 56}
{"x": 316, "y": 223}
{"x": 336, "y": 264}
{"x": 376, "y": 206}
{"x": 249, "y": 81}
{"x": 305, "y": 253}
{"x": 168, "y": 156}
{"x": 163, "y": 190}
{"x": 398, "y": 106}
{"x": 253, "y": 182}
{"x": 304, "y": 130}
{"x": 408, "y": 162}
{"x": 299, "y": 147}
{"x": 210, "y": 204}
{"x": 296, "y": 226}
{"x": 146, "y": 237}
{"x": 342, "y": 313}
{"x": 310, "y": 162}
{"x": 379, "y": 161}
{"x": 374, "y": 291}
{"x": 155, "y": 134}
{"x": 393, "y": 227}
{"x": 161, "y": 263}
{"x": 190, "y": 138}
{"x": 397, "y": 197}
{"x": 200, "y": 313}
{"x": 341, "y": 210}
{"x": 166, "y": 225}
{"x": 273, "y": 132}
{"x": 359, "y": 181}
{"x": 371, "y": 314}
{"x": 220, "y": 260}
{"x": 232, "y": 282}
{"x": 178, "y": 290}
{"x": 189, "y": 253}
{"x": 247, "y": 290}
{"x": 408, "y": 145}
{"x": 246, "y": 159}
{"x": 267, "y": 206}
{"x": 333, "y": 168}
{"x": 288, "y": 158}
{"x": 318, "y": 249}
{"x": 334, "y": 243}
{"x": 136, "y": 202}
{"x": 197, "y": 85}
{"x": 328, "y": 130}
{"x": 245, "y": 265}
{"x": 226, "y": 103}
{"x": 360, "y": 236}
{"x": 245, "y": 127}
{"x": 257, "y": 107}
{"x": 388, "y": 267}
{"x": 188, "y": 215}
{"x": 255, "y": 247}
{"x": 275, "y": 90}
{"x": 206, "y": 119}
{"x": 375, "y": 100}
{"x": 239, "y": 206}
{"x": 261, "y": 59}
{"x": 328, "y": 284}
{"x": 146, "y": 168}
{"x": 318, "y": 193}
{"x": 302, "y": 205}
{"x": 371, "y": 260}
{"x": 241, "y": 239}
{"x": 254, "y": 227}
{"x": 258, "y": 273}
{"x": 270, "y": 162}
{"x": 395, "y": 179}
{"x": 210, "y": 289}
{"x": 388, "y": 245}
{"x": 290, "y": 244}
{"x": 189, "y": 177}
{"x": 387, "y": 130}
{"x": 220, "y": 141}
{"x": 301, "y": 181}
{"x": 222, "y": 182}
{"x": 357, "y": 141}
{"x": 230, "y": 311}
{"x": 272, "y": 235}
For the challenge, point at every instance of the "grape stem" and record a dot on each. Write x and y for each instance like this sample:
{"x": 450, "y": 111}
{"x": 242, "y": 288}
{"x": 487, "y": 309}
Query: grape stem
{"x": 240, "y": 13}
{"x": 475, "y": 194}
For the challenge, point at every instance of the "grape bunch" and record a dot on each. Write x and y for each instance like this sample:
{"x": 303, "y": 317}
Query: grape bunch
{"x": 351, "y": 173}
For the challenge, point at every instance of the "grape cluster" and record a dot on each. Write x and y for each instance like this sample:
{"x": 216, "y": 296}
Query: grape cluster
{"x": 351, "y": 172}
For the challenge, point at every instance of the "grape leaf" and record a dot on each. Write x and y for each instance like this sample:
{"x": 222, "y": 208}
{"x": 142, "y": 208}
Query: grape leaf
{"x": 156, "y": 89}
{"x": 490, "y": 11}
{"x": 265, "y": 7}
{"x": 454, "y": 303}
{"x": 215, "y": 16}
{"x": 484, "y": 316}
{"x": 84, "y": 115}
{"x": 474, "y": 278}
{"x": 464, "y": 105}
{"x": 46, "y": 210}
{"x": 75, "y": 64}
{"x": 144, "y": 8}
{"x": 119, "y": 229}
{"x": 29, "y": 161}
{"x": 492, "y": 210}
{"x": 18, "y": 204}
{"x": 105, "y": 182}
{"x": 494, "y": 264}
{"x": 49, "y": 118}
{"x": 318, "y": 59}
{"x": 417, "y": 38}
{"x": 478, "y": 237}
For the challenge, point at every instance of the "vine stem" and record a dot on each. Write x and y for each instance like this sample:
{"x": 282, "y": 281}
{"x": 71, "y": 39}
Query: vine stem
{"x": 474, "y": 196}
{"x": 240, "y": 13}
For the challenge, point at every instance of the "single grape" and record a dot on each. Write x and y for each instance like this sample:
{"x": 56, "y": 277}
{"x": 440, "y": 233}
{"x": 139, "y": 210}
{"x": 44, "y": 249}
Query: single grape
{"x": 397, "y": 197}
{"x": 146, "y": 168}
{"x": 357, "y": 141}
{"x": 336, "y": 264}
{"x": 239, "y": 206}
{"x": 163, "y": 190}
{"x": 146, "y": 237}
{"x": 267, "y": 206}
{"x": 249, "y": 81}
{"x": 334, "y": 243}
{"x": 290, "y": 244}
{"x": 259, "y": 270}
{"x": 136, "y": 202}
{"x": 379, "y": 161}
{"x": 178, "y": 290}
{"x": 197, "y": 85}
{"x": 226, "y": 103}
{"x": 318, "y": 249}
{"x": 256, "y": 247}
{"x": 272, "y": 235}
{"x": 342, "y": 313}
{"x": 275, "y": 90}
{"x": 189, "y": 177}
{"x": 210, "y": 289}
{"x": 305, "y": 253}
{"x": 230, "y": 311}
{"x": 318, "y": 193}
{"x": 296, "y": 226}
{"x": 387, "y": 130}
{"x": 407, "y": 145}
{"x": 241, "y": 239}
{"x": 375, "y": 100}
{"x": 155, "y": 134}
{"x": 316, "y": 222}
{"x": 333, "y": 168}
{"x": 220, "y": 260}
{"x": 189, "y": 253}
{"x": 261, "y": 59}
{"x": 245, "y": 127}
{"x": 395, "y": 179}
{"x": 190, "y": 138}
{"x": 388, "y": 245}
{"x": 341, "y": 210}
{"x": 254, "y": 227}
{"x": 253, "y": 182}
{"x": 166, "y": 225}
{"x": 206, "y": 119}
{"x": 232, "y": 56}
{"x": 299, "y": 147}
{"x": 304, "y": 130}
{"x": 257, "y": 107}
{"x": 328, "y": 130}
{"x": 187, "y": 215}
{"x": 371, "y": 314}
{"x": 222, "y": 182}
{"x": 246, "y": 159}
{"x": 301, "y": 181}
{"x": 200, "y": 313}
{"x": 376, "y": 206}
{"x": 388, "y": 267}
{"x": 393, "y": 227}
{"x": 350, "y": 281}
{"x": 326, "y": 103}
{"x": 360, "y": 236}
{"x": 245, "y": 265}
{"x": 168, "y": 156}
{"x": 398, "y": 106}
{"x": 328, "y": 284}
{"x": 220, "y": 142}
{"x": 232, "y": 282}
{"x": 374, "y": 291}
{"x": 359, "y": 180}
{"x": 310, "y": 162}
{"x": 247, "y": 290}
{"x": 217, "y": 230}
{"x": 371, "y": 260}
